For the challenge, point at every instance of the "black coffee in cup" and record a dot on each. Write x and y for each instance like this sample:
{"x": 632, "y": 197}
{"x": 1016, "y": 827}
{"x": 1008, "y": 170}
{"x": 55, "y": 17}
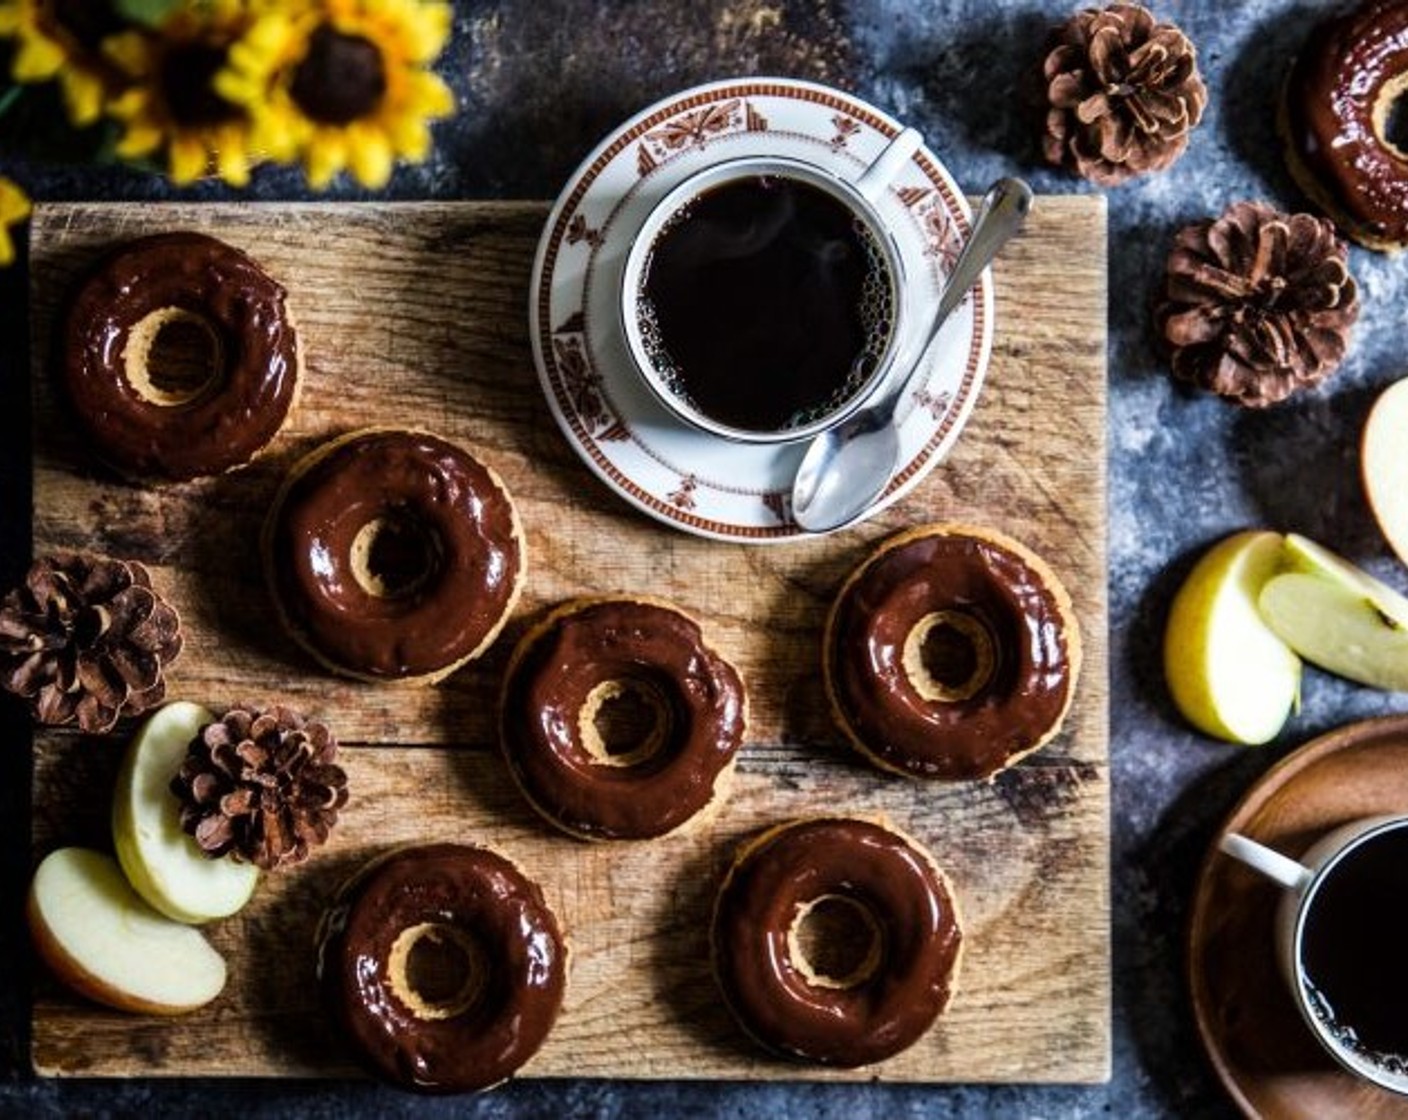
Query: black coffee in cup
{"x": 1353, "y": 946}
{"x": 766, "y": 303}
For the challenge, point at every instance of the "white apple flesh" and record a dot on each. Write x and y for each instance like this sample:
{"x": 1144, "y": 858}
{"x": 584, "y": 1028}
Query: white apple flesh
{"x": 1339, "y": 617}
{"x": 1304, "y": 555}
{"x": 1383, "y": 461}
{"x": 103, "y": 941}
{"x": 1229, "y": 675}
{"x": 164, "y": 864}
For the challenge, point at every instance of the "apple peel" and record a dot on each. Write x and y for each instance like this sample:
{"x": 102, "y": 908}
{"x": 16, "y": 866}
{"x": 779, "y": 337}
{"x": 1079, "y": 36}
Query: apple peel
{"x": 1228, "y": 673}
{"x": 1338, "y": 616}
{"x": 98, "y": 937}
{"x": 1383, "y": 462}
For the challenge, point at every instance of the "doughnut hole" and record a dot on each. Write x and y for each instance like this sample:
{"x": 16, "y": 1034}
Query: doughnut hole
{"x": 174, "y": 357}
{"x": 624, "y": 722}
{"x": 1391, "y": 116}
{"x": 395, "y": 555}
{"x": 438, "y": 971}
{"x": 949, "y": 656}
{"x": 835, "y": 942}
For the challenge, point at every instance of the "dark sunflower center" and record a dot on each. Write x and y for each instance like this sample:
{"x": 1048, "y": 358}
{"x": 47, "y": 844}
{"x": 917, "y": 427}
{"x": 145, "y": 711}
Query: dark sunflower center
{"x": 187, "y": 81}
{"x": 341, "y": 78}
{"x": 85, "y": 22}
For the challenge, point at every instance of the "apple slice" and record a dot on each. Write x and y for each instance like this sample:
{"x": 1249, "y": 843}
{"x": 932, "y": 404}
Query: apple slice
{"x": 1383, "y": 463}
{"x": 1230, "y": 676}
{"x": 1304, "y": 555}
{"x": 1339, "y": 617}
{"x": 165, "y": 865}
{"x": 103, "y": 941}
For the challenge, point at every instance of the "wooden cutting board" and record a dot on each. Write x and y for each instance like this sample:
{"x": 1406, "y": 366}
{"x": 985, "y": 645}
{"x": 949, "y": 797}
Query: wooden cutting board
{"x": 416, "y": 314}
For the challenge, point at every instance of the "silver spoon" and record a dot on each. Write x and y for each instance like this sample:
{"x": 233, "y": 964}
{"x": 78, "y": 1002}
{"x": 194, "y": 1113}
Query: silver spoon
{"x": 846, "y": 468}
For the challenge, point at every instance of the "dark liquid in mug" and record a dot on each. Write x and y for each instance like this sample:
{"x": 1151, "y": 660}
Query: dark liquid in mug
{"x": 1354, "y": 946}
{"x": 766, "y": 303}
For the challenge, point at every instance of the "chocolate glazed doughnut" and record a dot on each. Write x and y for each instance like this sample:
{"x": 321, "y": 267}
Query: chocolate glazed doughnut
{"x": 1335, "y": 114}
{"x": 951, "y": 653}
{"x": 197, "y": 284}
{"x": 443, "y": 966}
{"x": 902, "y": 964}
{"x": 690, "y": 711}
{"x": 393, "y": 554}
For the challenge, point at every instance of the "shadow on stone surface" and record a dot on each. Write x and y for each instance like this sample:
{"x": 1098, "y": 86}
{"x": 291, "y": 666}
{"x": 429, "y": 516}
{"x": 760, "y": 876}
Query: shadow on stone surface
{"x": 1252, "y": 90}
{"x": 1273, "y": 449}
{"x": 1151, "y": 988}
{"x": 993, "y": 98}
{"x": 613, "y": 61}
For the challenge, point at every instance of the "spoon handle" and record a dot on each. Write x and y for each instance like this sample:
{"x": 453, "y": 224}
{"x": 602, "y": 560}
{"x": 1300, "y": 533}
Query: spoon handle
{"x": 1000, "y": 215}
{"x": 1003, "y": 210}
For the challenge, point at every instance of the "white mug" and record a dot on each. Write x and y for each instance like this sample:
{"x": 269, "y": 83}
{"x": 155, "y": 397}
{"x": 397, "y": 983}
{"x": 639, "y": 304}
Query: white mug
{"x": 1304, "y": 902}
{"x": 859, "y": 195}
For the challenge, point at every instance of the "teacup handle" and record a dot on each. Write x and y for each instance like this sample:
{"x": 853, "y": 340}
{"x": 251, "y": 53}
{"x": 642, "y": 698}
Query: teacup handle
{"x": 880, "y": 174}
{"x": 1276, "y": 867}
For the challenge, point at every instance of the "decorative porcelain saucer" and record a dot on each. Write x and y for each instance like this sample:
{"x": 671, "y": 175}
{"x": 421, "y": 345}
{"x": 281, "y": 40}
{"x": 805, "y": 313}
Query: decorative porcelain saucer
{"x": 682, "y": 476}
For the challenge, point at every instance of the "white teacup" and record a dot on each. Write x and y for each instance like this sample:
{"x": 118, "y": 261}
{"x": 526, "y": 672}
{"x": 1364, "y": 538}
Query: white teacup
{"x": 1325, "y": 947}
{"x": 858, "y": 195}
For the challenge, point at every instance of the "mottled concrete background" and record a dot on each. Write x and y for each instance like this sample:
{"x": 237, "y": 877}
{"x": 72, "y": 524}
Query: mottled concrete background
{"x": 539, "y": 82}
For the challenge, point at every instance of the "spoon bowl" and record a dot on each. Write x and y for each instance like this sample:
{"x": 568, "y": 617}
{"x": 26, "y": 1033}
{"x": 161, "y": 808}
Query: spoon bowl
{"x": 848, "y": 467}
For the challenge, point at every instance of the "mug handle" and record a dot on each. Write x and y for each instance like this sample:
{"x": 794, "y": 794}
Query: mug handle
{"x": 1279, "y": 869}
{"x": 879, "y": 175}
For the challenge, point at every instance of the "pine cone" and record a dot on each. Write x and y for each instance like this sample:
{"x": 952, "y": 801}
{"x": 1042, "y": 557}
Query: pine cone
{"x": 261, "y": 786}
{"x": 1258, "y": 303}
{"x": 1124, "y": 93}
{"x": 86, "y": 638}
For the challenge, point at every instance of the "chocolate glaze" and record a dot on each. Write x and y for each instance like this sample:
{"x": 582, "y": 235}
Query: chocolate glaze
{"x": 222, "y": 427}
{"x": 460, "y": 605}
{"x": 896, "y": 883}
{"x": 1331, "y": 97}
{"x": 469, "y": 889}
{"x": 549, "y": 681}
{"x": 1021, "y": 702}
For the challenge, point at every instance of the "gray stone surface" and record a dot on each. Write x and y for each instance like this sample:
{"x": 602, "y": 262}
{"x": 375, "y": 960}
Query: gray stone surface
{"x": 539, "y": 83}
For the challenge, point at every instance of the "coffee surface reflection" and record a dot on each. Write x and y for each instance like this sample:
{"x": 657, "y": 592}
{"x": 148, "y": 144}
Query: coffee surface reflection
{"x": 765, "y": 303}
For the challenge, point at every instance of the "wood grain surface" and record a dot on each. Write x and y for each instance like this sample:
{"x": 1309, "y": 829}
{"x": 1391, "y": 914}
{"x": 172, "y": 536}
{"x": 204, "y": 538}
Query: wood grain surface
{"x": 416, "y": 314}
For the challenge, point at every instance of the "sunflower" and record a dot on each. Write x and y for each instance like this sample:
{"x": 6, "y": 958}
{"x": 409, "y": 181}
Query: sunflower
{"x": 343, "y": 83}
{"x": 63, "y": 39}
{"x": 14, "y": 208}
{"x": 173, "y": 102}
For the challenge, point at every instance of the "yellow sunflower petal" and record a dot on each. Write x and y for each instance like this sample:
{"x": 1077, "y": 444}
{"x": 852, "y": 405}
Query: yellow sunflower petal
{"x": 11, "y": 19}
{"x": 232, "y": 158}
{"x": 369, "y": 156}
{"x": 427, "y": 29}
{"x": 14, "y": 203}
{"x": 131, "y": 105}
{"x": 429, "y": 95}
{"x": 188, "y": 160}
{"x": 324, "y": 157}
{"x": 252, "y": 60}
{"x": 37, "y": 60}
{"x": 130, "y": 52}
{"x": 7, "y": 248}
{"x": 410, "y": 137}
{"x": 139, "y": 140}
{"x": 83, "y": 96}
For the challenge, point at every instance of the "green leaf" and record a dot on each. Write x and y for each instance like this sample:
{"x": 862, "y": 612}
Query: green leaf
{"x": 8, "y": 96}
{"x": 149, "y": 13}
